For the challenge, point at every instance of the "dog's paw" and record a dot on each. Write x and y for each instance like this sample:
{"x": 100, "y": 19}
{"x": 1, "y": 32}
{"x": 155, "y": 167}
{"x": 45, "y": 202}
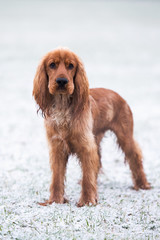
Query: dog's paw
{"x": 47, "y": 202}
{"x": 50, "y": 201}
{"x": 87, "y": 202}
{"x": 145, "y": 186}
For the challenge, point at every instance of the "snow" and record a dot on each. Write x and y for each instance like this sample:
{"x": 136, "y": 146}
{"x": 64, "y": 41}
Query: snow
{"x": 118, "y": 42}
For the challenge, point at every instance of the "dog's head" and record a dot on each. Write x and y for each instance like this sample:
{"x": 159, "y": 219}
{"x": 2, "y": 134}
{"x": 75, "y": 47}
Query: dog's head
{"x": 60, "y": 72}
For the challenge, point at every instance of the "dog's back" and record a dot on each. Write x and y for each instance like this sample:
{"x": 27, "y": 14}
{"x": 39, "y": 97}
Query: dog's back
{"x": 107, "y": 106}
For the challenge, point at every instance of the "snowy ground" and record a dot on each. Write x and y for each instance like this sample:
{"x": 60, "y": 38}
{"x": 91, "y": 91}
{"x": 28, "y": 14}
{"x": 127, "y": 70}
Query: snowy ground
{"x": 119, "y": 42}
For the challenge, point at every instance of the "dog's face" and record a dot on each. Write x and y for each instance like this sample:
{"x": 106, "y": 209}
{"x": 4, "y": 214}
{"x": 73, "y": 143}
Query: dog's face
{"x": 60, "y": 72}
{"x": 61, "y": 69}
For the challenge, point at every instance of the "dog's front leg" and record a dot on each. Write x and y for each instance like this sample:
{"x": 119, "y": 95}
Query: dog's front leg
{"x": 58, "y": 161}
{"x": 89, "y": 159}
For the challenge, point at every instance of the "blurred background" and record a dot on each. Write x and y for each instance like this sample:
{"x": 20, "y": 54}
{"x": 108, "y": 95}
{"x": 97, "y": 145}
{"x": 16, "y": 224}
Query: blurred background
{"x": 119, "y": 43}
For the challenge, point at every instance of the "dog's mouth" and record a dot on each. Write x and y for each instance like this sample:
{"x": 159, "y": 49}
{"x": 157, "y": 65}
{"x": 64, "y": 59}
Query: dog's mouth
{"x": 61, "y": 90}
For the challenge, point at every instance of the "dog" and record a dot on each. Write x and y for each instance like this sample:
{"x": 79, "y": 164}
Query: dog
{"x": 76, "y": 119}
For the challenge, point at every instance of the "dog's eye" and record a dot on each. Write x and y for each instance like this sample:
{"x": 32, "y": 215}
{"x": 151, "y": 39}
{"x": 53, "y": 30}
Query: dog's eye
{"x": 70, "y": 66}
{"x": 52, "y": 65}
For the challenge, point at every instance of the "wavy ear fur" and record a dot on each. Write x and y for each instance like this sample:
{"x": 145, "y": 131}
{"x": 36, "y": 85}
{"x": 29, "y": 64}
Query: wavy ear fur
{"x": 40, "y": 89}
{"x": 81, "y": 91}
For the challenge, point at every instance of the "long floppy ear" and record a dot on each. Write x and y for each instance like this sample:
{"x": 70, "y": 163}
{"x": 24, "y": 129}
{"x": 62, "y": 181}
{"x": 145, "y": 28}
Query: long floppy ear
{"x": 81, "y": 89}
{"x": 40, "y": 89}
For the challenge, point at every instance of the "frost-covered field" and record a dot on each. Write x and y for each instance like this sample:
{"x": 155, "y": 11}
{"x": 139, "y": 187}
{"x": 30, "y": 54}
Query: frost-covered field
{"x": 119, "y": 42}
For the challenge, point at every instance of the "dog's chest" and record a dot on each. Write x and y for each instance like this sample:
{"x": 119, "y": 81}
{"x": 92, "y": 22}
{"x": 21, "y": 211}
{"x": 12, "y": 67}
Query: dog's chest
{"x": 60, "y": 112}
{"x": 60, "y": 119}
{"x": 58, "y": 125}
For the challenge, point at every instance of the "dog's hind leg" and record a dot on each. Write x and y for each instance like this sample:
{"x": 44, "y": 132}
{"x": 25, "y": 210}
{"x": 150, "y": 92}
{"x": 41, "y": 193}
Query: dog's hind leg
{"x": 123, "y": 128}
{"x": 133, "y": 156}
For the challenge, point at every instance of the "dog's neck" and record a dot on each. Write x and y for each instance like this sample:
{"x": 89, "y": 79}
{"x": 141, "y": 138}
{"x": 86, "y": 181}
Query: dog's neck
{"x": 62, "y": 102}
{"x": 60, "y": 112}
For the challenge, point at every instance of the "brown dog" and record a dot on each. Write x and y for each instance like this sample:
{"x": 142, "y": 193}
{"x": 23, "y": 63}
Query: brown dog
{"x": 76, "y": 119}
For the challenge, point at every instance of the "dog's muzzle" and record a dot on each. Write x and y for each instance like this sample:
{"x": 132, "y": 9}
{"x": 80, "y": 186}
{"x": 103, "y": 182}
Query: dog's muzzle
{"x": 61, "y": 82}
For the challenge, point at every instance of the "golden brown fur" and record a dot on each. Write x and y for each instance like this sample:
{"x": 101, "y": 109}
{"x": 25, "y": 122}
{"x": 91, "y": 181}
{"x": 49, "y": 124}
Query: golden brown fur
{"x": 76, "y": 119}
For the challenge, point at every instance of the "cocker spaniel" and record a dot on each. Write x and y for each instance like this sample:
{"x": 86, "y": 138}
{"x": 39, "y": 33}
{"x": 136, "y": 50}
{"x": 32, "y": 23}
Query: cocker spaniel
{"x": 76, "y": 119}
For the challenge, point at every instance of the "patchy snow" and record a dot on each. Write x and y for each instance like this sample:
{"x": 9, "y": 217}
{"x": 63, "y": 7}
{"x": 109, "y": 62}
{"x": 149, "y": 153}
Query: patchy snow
{"x": 119, "y": 43}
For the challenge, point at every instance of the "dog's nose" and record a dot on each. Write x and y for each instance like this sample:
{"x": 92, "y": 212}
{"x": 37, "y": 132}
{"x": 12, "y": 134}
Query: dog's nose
{"x": 62, "y": 81}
